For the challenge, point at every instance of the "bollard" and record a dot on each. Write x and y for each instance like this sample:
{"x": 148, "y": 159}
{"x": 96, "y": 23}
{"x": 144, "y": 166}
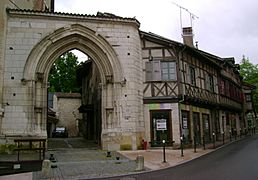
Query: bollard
{"x": 108, "y": 154}
{"x": 195, "y": 144}
{"x": 235, "y": 134}
{"x": 53, "y": 161}
{"x": 213, "y": 137}
{"x": 139, "y": 163}
{"x": 46, "y": 166}
{"x": 181, "y": 146}
{"x": 223, "y": 137}
{"x": 164, "y": 151}
{"x": 203, "y": 140}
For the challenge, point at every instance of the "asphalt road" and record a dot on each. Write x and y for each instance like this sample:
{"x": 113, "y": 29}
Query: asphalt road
{"x": 236, "y": 161}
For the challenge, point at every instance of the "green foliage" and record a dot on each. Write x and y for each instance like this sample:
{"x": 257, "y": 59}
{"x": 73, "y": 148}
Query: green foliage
{"x": 62, "y": 76}
{"x": 249, "y": 72}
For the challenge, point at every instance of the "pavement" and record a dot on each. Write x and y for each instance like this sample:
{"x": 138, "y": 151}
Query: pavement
{"x": 76, "y": 161}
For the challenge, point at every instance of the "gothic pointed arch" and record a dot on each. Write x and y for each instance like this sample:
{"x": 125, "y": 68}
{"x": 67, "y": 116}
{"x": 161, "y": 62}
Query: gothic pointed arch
{"x": 64, "y": 39}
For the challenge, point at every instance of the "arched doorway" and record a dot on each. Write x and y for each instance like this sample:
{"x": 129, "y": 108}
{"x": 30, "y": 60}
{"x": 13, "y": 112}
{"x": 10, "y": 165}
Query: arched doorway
{"x": 44, "y": 54}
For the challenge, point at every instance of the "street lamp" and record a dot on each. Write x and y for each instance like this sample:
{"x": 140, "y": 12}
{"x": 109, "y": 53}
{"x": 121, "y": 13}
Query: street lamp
{"x": 181, "y": 146}
{"x": 213, "y": 136}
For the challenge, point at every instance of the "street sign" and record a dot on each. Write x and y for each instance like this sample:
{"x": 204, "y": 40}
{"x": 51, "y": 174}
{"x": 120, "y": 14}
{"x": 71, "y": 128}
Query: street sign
{"x": 161, "y": 124}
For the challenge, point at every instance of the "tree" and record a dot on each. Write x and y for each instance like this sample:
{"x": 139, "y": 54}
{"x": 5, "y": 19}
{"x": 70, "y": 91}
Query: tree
{"x": 62, "y": 76}
{"x": 249, "y": 72}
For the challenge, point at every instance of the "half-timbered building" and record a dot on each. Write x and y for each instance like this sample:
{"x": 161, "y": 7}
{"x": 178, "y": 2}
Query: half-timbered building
{"x": 189, "y": 93}
{"x": 137, "y": 86}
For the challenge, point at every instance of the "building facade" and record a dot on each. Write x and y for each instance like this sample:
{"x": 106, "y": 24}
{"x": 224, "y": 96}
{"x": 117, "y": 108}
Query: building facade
{"x": 149, "y": 88}
{"x": 192, "y": 94}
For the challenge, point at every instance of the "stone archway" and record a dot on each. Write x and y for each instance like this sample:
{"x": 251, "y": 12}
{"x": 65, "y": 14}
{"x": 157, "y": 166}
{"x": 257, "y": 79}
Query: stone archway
{"x": 44, "y": 54}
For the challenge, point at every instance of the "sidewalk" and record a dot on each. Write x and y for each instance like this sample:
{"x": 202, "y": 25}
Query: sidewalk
{"x": 154, "y": 160}
{"x": 83, "y": 163}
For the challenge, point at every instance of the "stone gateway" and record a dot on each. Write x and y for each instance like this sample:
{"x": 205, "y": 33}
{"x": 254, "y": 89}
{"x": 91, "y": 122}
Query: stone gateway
{"x": 150, "y": 88}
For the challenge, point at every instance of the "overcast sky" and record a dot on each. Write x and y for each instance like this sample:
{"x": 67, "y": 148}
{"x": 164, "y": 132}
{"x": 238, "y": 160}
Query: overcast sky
{"x": 226, "y": 28}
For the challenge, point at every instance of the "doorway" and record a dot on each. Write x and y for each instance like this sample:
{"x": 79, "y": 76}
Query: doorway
{"x": 206, "y": 127}
{"x": 160, "y": 127}
{"x": 196, "y": 126}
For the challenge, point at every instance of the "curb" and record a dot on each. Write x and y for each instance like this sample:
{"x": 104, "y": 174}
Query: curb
{"x": 179, "y": 164}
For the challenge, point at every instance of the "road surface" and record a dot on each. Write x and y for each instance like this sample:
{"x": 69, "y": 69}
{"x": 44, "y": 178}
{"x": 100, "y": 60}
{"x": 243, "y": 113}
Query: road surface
{"x": 236, "y": 161}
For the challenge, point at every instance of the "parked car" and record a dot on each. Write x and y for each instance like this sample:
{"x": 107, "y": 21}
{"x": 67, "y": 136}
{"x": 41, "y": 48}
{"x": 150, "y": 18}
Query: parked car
{"x": 60, "y": 132}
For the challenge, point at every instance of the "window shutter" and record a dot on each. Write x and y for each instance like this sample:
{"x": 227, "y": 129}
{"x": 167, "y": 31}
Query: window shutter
{"x": 156, "y": 74}
{"x": 148, "y": 70}
{"x": 187, "y": 74}
{"x": 215, "y": 84}
{"x": 207, "y": 82}
{"x": 197, "y": 74}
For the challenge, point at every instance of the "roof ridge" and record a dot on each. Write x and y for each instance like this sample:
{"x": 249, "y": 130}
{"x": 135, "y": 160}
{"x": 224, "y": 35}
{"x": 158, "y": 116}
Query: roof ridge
{"x": 101, "y": 15}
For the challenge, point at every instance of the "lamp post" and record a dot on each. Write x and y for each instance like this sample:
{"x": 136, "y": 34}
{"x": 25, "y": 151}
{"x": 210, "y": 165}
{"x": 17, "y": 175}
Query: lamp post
{"x": 164, "y": 151}
{"x": 195, "y": 144}
{"x": 203, "y": 140}
{"x": 213, "y": 137}
{"x": 223, "y": 137}
{"x": 181, "y": 146}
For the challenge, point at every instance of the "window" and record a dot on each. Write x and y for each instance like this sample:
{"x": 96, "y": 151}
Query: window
{"x": 248, "y": 97}
{"x": 160, "y": 70}
{"x": 222, "y": 87}
{"x": 192, "y": 75}
{"x": 209, "y": 83}
{"x": 168, "y": 71}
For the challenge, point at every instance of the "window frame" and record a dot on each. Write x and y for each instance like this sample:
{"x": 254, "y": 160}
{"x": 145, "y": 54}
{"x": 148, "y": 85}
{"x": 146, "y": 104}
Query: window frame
{"x": 192, "y": 75}
{"x": 154, "y": 70}
{"x": 210, "y": 83}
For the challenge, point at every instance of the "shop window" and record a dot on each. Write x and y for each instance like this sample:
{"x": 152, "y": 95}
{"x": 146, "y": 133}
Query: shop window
{"x": 206, "y": 127}
{"x": 160, "y": 127}
{"x": 186, "y": 130}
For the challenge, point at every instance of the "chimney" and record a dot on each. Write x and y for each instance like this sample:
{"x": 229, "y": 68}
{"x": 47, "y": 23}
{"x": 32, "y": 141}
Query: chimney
{"x": 188, "y": 36}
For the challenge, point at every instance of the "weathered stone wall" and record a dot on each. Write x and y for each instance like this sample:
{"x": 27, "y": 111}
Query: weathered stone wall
{"x": 66, "y": 109}
{"x": 25, "y": 98}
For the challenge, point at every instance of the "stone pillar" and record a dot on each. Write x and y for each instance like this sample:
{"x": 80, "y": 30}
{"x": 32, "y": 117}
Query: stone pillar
{"x": 46, "y": 167}
{"x": 139, "y": 163}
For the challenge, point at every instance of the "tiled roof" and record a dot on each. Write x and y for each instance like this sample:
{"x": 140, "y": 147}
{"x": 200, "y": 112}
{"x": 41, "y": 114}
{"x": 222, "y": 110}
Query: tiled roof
{"x": 98, "y": 16}
{"x": 213, "y": 58}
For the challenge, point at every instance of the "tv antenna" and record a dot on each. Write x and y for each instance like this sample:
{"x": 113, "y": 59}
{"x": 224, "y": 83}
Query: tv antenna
{"x": 192, "y": 15}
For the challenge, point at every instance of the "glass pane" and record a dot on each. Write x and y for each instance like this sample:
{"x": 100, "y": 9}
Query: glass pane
{"x": 164, "y": 65}
{"x": 164, "y": 76}
{"x": 172, "y": 65}
{"x": 164, "y": 70}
